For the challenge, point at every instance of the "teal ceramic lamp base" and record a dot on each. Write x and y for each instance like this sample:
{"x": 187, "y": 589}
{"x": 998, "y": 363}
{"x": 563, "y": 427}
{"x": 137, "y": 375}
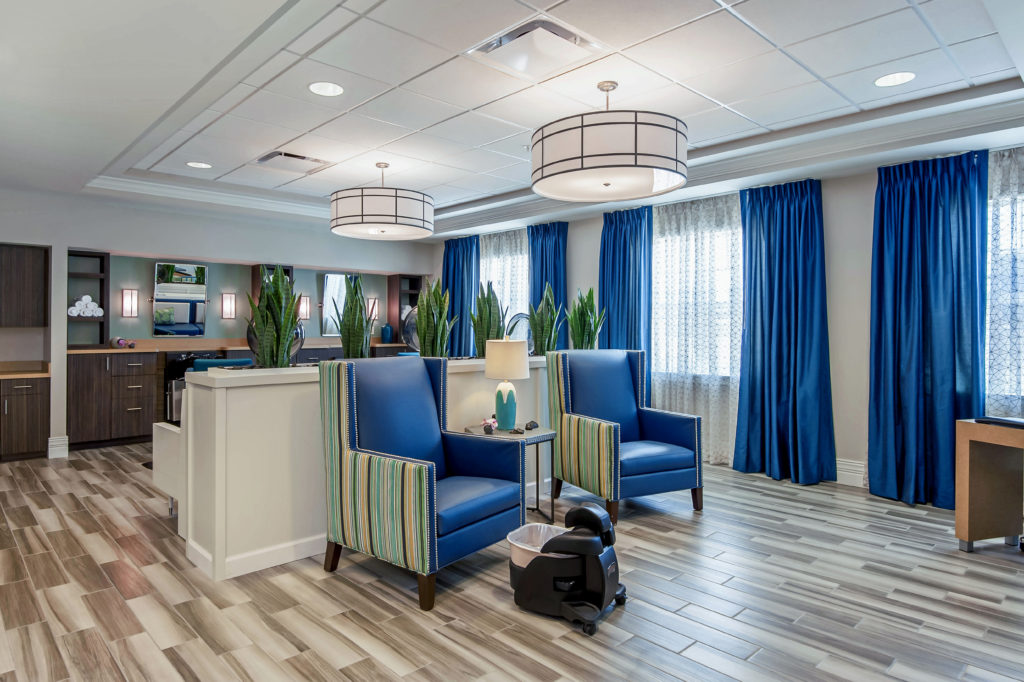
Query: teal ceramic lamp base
{"x": 505, "y": 406}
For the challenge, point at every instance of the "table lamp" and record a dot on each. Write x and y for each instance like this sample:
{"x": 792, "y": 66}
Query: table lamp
{"x": 506, "y": 360}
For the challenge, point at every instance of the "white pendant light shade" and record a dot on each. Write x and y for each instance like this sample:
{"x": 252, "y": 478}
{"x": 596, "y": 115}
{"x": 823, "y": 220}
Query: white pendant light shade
{"x": 382, "y": 213}
{"x": 609, "y": 155}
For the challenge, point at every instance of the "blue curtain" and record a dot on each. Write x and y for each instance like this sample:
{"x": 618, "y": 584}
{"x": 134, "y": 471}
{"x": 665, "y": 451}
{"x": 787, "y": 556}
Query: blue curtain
{"x": 624, "y": 282}
{"x": 547, "y": 265}
{"x": 927, "y": 323}
{"x": 784, "y": 423}
{"x": 461, "y": 277}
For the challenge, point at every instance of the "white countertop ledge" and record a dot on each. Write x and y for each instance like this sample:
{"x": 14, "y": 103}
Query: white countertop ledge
{"x": 219, "y": 377}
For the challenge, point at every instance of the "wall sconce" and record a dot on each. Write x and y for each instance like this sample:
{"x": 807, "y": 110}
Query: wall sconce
{"x": 129, "y": 302}
{"x": 227, "y": 306}
{"x": 371, "y": 306}
{"x": 304, "y": 307}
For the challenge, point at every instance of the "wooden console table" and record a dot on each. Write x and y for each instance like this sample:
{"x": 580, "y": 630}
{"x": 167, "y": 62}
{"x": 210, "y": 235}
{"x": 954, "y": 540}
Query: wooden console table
{"x": 989, "y": 482}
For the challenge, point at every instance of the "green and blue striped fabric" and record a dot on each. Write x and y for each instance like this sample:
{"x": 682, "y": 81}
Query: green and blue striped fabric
{"x": 377, "y": 504}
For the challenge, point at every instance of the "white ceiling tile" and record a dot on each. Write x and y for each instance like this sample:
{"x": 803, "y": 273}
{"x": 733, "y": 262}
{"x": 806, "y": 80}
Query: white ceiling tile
{"x": 517, "y": 146}
{"x": 233, "y": 97}
{"x": 474, "y": 129}
{"x": 995, "y": 76}
{"x": 425, "y": 147}
{"x": 812, "y": 118}
{"x": 718, "y": 123}
{"x": 295, "y": 83}
{"x": 271, "y": 68}
{"x": 477, "y": 160}
{"x": 915, "y": 94}
{"x": 404, "y": 108}
{"x": 619, "y": 24}
{"x": 534, "y": 107}
{"x": 700, "y": 46}
{"x": 258, "y": 176}
{"x": 427, "y": 175}
{"x": 380, "y": 52}
{"x": 322, "y": 30}
{"x": 445, "y": 195}
{"x": 360, "y": 6}
{"x": 790, "y": 21}
{"x": 318, "y": 147}
{"x": 175, "y": 165}
{"x": 368, "y": 162}
{"x": 750, "y": 78}
{"x": 479, "y": 182}
{"x": 932, "y": 68}
{"x": 355, "y": 129}
{"x": 205, "y": 118}
{"x": 982, "y": 55}
{"x": 581, "y": 84}
{"x": 674, "y": 100}
{"x": 223, "y": 155}
{"x": 800, "y": 101}
{"x": 892, "y": 36}
{"x": 284, "y": 111}
{"x": 456, "y": 25}
{"x": 318, "y": 184}
{"x": 517, "y": 173}
{"x": 465, "y": 83}
{"x": 165, "y": 148}
{"x": 254, "y": 136}
{"x": 958, "y": 20}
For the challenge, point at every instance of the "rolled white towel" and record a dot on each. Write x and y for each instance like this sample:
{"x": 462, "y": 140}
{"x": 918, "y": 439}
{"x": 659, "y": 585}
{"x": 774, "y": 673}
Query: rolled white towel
{"x": 80, "y": 305}
{"x": 86, "y": 298}
{"x": 98, "y": 312}
{"x": 73, "y": 311}
{"x": 92, "y": 305}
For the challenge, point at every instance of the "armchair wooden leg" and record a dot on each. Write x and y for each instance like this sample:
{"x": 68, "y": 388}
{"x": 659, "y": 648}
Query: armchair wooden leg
{"x": 556, "y": 489}
{"x": 426, "y": 590}
{"x": 332, "y": 556}
{"x": 698, "y": 498}
{"x": 613, "y": 510}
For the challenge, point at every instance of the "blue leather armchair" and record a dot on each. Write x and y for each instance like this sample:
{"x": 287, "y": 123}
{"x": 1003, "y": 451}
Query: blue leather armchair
{"x": 400, "y": 486}
{"x": 609, "y": 441}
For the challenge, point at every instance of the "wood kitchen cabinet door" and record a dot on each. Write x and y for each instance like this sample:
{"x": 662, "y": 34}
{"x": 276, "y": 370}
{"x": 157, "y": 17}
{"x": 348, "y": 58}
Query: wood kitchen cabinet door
{"x": 24, "y": 424}
{"x": 89, "y": 397}
{"x": 24, "y": 286}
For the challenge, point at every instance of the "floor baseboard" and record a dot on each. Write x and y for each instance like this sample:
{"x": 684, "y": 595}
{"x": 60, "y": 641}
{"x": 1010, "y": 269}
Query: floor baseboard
{"x": 852, "y": 472}
{"x": 57, "y": 447}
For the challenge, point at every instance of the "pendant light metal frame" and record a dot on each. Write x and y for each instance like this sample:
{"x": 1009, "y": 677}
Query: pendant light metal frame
{"x": 382, "y": 213}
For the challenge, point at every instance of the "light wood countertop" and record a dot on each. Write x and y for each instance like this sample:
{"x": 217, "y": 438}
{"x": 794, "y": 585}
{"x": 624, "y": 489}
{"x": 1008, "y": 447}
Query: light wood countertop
{"x": 24, "y": 375}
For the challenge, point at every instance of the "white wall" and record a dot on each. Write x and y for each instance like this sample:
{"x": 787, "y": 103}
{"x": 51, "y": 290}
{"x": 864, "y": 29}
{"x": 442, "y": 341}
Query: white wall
{"x": 848, "y": 208}
{"x": 68, "y": 221}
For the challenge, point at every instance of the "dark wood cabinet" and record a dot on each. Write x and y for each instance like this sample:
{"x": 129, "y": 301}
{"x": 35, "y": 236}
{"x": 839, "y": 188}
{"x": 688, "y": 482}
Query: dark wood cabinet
{"x": 25, "y": 420}
{"x": 112, "y": 396}
{"x": 24, "y": 286}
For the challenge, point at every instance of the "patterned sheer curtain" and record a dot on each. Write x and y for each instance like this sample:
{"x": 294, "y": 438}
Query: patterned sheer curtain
{"x": 505, "y": 261}
{"x": 697, "y": 316}
{"x": 1005, "y": 328}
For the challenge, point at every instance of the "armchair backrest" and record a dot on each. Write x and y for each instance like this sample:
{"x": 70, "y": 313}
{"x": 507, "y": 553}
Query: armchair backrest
{"x": 603, "y": 384}
{"x": 398, "y": 407}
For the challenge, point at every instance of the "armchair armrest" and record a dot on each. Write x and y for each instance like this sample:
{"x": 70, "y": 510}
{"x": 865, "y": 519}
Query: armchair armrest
{"x": 671, "y": 427}
{"x": 468, "y": 454}
{"x": 588, "y": 454}
{"x": 384, "y": 505}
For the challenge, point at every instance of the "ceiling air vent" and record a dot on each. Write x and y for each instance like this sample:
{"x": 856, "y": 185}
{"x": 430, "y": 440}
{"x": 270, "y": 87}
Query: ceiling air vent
{"x": 537, "y": 48}
{"x": 290, "y": 162}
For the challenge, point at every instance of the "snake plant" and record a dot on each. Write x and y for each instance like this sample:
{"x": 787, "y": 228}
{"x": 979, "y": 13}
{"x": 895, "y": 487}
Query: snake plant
{"x": 584, "y": 321}
{"x": 545, "y": 321}
{"x": 489, "y": 318}
{"x": 354, "y": 323}
{"x": 274, "y": 319}
{"x": 433, "y": 328}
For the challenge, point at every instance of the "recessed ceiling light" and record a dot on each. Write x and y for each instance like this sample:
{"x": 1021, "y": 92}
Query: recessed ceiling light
{"x": 898, "y": 78}
{"x": 326, "y": 89}
{"x": 198, "y": 164}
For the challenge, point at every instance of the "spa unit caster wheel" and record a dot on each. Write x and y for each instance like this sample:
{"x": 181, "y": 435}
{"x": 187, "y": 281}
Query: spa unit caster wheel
{"x": 620, "y": 599}
{"x": 590, "y": 629}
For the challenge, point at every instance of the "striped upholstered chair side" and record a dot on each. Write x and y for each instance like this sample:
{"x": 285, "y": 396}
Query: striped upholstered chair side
{"x": 609, "y": 441}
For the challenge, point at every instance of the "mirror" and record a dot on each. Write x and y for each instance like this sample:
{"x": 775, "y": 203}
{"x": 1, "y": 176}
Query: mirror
{"x": 179, "y": 300}
{"x": 334, "y": 293}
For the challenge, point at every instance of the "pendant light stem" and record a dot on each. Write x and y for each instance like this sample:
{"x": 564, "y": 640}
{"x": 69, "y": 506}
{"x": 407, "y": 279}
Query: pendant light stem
{"x": 382, "y": 165}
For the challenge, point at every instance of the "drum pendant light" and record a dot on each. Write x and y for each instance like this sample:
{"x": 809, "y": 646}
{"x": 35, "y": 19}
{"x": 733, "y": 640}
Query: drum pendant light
{"x": 610, "y": 155}
{"x": 382, "y": 212}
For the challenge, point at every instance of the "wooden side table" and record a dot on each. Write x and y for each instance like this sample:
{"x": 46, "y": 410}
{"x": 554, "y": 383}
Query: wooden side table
{"x": 532, "y": 437}
{"x": 989, "y": 482}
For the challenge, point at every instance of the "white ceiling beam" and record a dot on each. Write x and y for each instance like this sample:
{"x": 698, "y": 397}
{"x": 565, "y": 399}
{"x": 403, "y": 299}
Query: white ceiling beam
{"x": 1008, "y": 17}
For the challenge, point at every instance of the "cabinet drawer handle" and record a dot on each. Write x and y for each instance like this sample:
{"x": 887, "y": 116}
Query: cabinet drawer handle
{"x": 24, "y": 386}
{"x": 133, "y": 409}
{"x": 139, "y": 386}
{"x": 135, "y": 364}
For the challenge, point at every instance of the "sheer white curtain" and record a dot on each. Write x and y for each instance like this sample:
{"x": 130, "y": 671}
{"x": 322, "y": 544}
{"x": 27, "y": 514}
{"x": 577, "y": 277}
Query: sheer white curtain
{"x": 697, "y": 316}
{"x": 505, "y": 261}
{"x": 1005, "y": 329}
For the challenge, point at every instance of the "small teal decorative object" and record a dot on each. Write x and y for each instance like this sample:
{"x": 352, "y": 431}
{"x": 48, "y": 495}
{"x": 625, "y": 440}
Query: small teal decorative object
{"x": 505, "y": 406}
{"x": 386, "y": 333}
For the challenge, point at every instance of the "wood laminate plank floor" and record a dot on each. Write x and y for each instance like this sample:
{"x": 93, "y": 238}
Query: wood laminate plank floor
{"x": 771, "y": 581}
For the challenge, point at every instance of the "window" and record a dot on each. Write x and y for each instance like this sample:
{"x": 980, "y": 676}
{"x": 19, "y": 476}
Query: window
{"x": 505, "y": 262}
{"x": 697, "y": 315}
{"x": 1005, "y": 315}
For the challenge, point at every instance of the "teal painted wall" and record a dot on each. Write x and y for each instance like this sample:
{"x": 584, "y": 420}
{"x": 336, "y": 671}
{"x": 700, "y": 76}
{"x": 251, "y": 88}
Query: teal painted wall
{"x": 306, "y": 281}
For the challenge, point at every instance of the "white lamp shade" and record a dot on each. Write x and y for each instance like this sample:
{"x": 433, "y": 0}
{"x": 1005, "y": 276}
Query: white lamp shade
{"x": 382, "y": 213}
{"x": 129, "y": 302}
{"x": 304, "y": 307}
{"x": 227, "y": 306}
{"x": 609, "y": 156}
{"x": 506, "y": 359}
